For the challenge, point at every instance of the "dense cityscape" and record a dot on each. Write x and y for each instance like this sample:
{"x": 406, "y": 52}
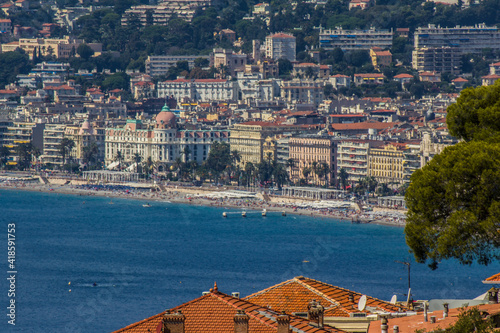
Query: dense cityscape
{"x": 357, "y": 110}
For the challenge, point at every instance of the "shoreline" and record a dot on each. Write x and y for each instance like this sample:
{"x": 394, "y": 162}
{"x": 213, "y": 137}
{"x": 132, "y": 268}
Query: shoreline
{"x": 194, "y": 196}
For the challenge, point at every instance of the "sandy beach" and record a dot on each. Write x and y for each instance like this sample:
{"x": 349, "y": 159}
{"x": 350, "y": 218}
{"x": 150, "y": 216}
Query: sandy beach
{"x": 205, "y": 196}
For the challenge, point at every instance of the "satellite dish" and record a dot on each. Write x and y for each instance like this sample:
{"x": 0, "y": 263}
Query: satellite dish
{"x": 394, "y": 299}
{"x": 362, "y": 303}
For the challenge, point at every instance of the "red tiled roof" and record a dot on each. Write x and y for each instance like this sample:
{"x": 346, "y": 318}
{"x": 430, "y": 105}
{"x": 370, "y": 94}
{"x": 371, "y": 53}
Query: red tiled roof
{"x": 410, "y": 324}
{"x": 491, "y": 76}
{"x": 494, "y": 279}
{"x": 349, "y": 115}
{"x": 403, "y": 76}
{"x": 495, "y": 64}
{"x": 215, "y": 312}
{"x": 460, "y": 79}
{"x": 428, "y": 74}
{"x": 379, "y": 75}
{"x": 306, "y": 64}
{"x": 361, "y": 126}
{"x": 294, "y": 295}
{"x": 340, "y": 75}
{"x": 281, "y": 35}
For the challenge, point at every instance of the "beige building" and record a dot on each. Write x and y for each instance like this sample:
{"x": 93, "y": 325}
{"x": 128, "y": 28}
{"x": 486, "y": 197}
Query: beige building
{"x": 58, "y": 47}
{"x": 386, "y": 163}
{"x": 249, "y": 138}
{"x": 281, "y": 46}
{"x": 303, "y": 91}
{"x": 310, "y": 152}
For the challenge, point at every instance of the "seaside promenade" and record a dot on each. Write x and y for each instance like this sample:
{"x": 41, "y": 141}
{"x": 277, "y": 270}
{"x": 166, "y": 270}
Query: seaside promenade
{"x": 217, "y": 196}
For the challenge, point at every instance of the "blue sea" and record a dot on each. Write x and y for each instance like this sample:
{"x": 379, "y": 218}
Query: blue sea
{"x": 145, "y": 260}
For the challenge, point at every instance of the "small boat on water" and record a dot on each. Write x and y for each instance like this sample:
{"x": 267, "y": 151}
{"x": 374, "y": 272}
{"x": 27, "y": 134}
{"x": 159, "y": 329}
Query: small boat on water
{"x": 146, "y": 205}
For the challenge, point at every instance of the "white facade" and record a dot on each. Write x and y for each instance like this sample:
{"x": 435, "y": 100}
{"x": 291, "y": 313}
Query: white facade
{"x": 355, "y": 39}
{"x": 159, "y": 65}
{"x": 465, "y": 39}
{"x": 303, "y": 91}
{"x": 203, "y": 90}
{"x": 253, "y": 87}
{"x": 281, "y": 46}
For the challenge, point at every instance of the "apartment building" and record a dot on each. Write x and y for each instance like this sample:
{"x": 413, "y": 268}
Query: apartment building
{"x": 200, "y": 90}
{"x": 465, "y": 39}
{"x": 58, "y": 47}
{"x": 229, "y": 62}
{"x": 348, "y": 40}
{"x": 248, "y": 138}
{"x": 52, "y": 137}
{"x": 352, "y": 156}
{"x": 159, "y": 65}
{"x": 386, "y": 163}
{"x": 303, "y": 91}
{"x": 161, "y": 13}
{"x": 444, "y": 59}
{"x": 281, "y": 45}
{"x": 310, "y": 152}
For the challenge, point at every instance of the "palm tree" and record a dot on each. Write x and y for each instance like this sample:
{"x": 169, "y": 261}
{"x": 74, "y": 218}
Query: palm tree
{"x": 65, "y": 147}
{"x": 178, "y": 165}
{"x": 186, "y": 151}
{"x": 149, "y": 165}
{"x": 90, "y": 154}
{"x": 4, "y": 155}
{"x": 306, "y": 171}
{"x": 235, "y": 160}
{"x": 249, "y": 172}
{"x": 322, "y": 170}
{"x": 343, "y": 177}
{"x": 119, "y": 159}
{"x": 280, "y": 175}
{"x": 24, "y": 151}
{"x": 137, "y": 159}
{"x": 290, "y": 164}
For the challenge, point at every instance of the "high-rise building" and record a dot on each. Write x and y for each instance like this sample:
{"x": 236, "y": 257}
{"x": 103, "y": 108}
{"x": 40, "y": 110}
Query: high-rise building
{"x": 465, "y": 39}
{"x": 349, "y": 40}
{"x": 437, "y": 59}
{"x": 280, "y": 46}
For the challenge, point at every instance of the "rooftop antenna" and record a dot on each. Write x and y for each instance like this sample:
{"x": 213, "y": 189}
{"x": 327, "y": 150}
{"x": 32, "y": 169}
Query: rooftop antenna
{"x": 362, "y": 303}
{"x": 408, "y": 264}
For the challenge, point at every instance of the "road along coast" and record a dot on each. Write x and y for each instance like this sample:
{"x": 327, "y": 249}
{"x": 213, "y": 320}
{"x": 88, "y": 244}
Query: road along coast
{"x": 222, "y": 197}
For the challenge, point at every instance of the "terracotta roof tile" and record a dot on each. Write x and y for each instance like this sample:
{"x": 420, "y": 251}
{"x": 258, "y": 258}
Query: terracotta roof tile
{"x": 294, "y": 295}
{"x": 215, "y": 312}
{"x": 494, "y": 279}
{"x": 411, "y": 324}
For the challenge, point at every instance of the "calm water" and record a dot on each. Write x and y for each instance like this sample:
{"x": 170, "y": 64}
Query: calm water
{"x": 145, "y": 260}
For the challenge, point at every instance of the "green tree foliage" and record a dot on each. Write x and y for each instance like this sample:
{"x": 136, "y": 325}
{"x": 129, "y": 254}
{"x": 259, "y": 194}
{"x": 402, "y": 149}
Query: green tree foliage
{"x": 471, "y": 320}
{"x": 118, "y": 80}
{"x": 476, "y": 115}
{"x": 218, "y": 159}
{"x": 454, "y": 201}
{"x": 12, "y": 64}
{"x": 84, "y": 51}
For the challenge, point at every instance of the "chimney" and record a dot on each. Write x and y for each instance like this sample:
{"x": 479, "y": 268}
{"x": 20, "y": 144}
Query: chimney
{"x": 425, "y": 312}
{"x": 445, "y": 311}
{"x": 315, "y": 313}
{"x": 283, "y": 321}
{"x": 383, "y": 325}
{"x": 351, "y": 297}
{"x": 241, "y": 322}
{"x": 493, "y": 296}
{"x": 433, "y": 319}
{"x": 396, "y": 329}
{"x": 173, "y": 322}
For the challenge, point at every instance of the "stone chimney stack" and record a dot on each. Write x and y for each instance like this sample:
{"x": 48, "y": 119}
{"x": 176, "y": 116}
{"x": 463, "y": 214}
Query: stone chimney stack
{"x": 351, "y": 297}
{"x": 493, "y": 296}
{"x": 445, "y": 310}
{"x": 241, "y": 322}
{"x": 425, "y": 312}
{"x": 315, "y": 313}
{"x": 384, "y": 328}
{"x": 283, "y": 323}
{"x": 396, "y": 329}
{"x": 173, "y": 322}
